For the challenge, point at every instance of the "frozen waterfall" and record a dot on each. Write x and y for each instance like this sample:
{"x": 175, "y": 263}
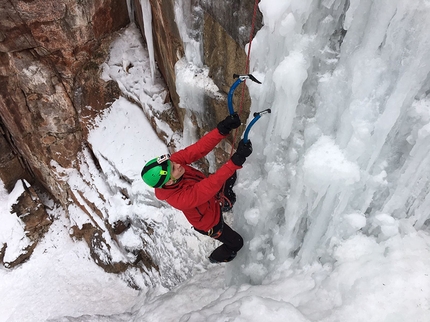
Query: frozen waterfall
{"x": 347, "y": 146}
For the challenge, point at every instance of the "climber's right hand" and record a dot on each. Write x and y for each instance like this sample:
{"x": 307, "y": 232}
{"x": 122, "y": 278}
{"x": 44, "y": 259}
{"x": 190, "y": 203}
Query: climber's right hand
{"x": 243, "y": 151}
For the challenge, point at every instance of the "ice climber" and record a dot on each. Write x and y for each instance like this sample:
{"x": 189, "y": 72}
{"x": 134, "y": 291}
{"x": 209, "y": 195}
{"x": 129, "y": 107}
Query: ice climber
{"x": 197, "y": 196}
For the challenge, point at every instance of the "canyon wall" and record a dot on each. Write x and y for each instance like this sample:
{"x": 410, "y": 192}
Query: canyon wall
{"x": 50, "y": 90}
{"x": 224, "y": 28}
{"x": 47, "y": 49}
{"x": 50, "y": 52}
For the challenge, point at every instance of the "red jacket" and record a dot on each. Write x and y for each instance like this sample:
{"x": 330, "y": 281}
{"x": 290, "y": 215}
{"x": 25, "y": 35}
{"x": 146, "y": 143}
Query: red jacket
{"x": 195, "y": 194}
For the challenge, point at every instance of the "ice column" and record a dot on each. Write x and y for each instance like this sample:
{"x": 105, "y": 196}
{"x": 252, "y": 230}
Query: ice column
{"x": 147, "y": 22}
{"x": 185, "y": 15}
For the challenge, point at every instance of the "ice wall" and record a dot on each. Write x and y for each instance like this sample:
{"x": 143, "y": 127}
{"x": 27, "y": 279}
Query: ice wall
{"x": 188, "y": 17}
{"x": 347, "y": 146}
{"x": 192, "y": 81}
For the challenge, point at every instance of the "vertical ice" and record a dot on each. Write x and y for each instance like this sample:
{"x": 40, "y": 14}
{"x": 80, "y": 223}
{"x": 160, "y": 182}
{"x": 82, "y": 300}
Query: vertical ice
{"x": 348, "y": 84}
{"x": 186, "y": 14}
{"x": 147, "y": 21}
{"x": 192, "y": 81}
{"x": 130, "y": 8}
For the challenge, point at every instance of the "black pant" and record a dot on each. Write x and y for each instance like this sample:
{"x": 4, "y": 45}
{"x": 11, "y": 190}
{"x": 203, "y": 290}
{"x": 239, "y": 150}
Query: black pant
{"x": 232, "y": 242}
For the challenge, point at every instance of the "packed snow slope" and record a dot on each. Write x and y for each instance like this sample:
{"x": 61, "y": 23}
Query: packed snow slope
{"x": 333, "y": 204}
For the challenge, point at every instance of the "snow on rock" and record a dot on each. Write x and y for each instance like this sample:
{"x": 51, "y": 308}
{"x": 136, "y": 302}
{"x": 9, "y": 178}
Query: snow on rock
{"x": 12, "y": 229}
{"x": 61, "y": 280}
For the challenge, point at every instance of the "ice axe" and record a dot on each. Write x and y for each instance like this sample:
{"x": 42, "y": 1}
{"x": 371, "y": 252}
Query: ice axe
{"x": 240, "y": 79}
{"x": 257, "y": 116}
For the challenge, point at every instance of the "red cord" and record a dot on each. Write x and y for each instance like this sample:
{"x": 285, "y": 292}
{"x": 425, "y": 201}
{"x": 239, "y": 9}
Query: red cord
{"x": 251, "y": 36}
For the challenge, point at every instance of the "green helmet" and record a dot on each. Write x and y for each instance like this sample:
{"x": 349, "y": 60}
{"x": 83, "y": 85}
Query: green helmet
{"x": 156, "y": 172}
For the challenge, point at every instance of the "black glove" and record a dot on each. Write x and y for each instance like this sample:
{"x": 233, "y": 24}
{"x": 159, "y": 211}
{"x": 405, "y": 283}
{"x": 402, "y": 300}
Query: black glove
{"x": 229, "y": 123}
{"x": 243, "y": 151}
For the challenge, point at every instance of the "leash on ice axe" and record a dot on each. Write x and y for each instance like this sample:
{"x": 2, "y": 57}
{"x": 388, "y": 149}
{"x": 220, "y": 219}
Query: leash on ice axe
{"x": 257, "y": 115}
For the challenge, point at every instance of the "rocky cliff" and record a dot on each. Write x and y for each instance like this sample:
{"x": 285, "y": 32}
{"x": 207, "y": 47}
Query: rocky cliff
{"x": 50, "y": 88}
{"x": 49, "y": 51}
{"x": 49, "y": 57}
{"x": 223, "y": 28}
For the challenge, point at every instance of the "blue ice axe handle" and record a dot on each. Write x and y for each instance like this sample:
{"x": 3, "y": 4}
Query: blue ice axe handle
{"x": 257, "y": 116}
{"x": 240, "y": 79}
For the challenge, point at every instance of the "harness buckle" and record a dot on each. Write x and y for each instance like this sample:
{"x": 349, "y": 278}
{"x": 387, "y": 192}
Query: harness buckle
{"x": 213, "y": 234}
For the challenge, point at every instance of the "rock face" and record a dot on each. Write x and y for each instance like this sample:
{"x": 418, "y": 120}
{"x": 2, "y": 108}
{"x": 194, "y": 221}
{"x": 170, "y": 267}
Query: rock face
{"x": 49, "y": 57}
{"x": 44, "y": 46}
{"x": 50, "y": 52}
{"x": 235, "y": 17}
{"x": 224, "y": 28}
{"x": 168, "y": 46}
{"x": 50, "y": 86}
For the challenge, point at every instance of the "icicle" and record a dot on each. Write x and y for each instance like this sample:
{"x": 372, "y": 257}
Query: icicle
{"x": 185, "y": 14}
{"x": 422, "y": 213}
{"x": 413, "y": 181}
{"x": 147, "y": 22}
{"x": 130, "y": 8}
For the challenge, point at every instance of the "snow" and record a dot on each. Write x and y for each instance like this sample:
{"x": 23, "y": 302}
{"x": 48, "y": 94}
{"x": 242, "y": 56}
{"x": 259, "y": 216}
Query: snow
{"x": 325, "y": 164}
{"x": 12, "y": 229}
{"x": 60, "y": 279}
{"x": 333, "y": 204}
